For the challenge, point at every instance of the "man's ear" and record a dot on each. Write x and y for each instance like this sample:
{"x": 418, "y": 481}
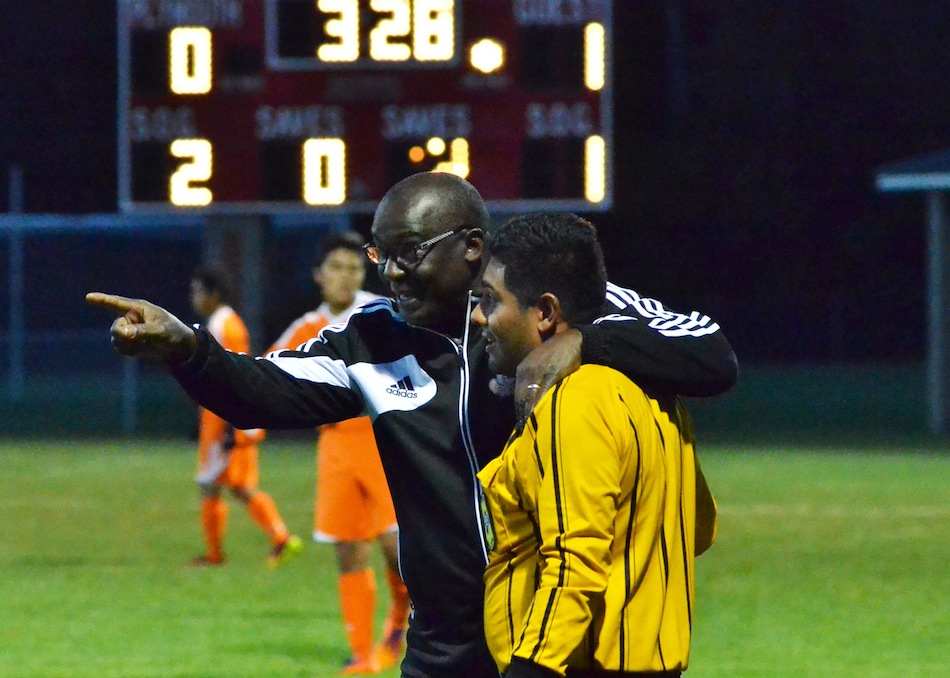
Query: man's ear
{"x": 474, "y": 245}
{"x": 550, "y": 316}
{"x": 317, "y": 278}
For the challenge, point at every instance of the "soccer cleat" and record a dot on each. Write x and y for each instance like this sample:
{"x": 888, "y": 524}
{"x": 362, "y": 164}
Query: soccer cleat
{"x": 284, "y": 550}
{"x": 208, "y": 561}
{"x": 360, "y": 667}
{"x": 390, "y": 650}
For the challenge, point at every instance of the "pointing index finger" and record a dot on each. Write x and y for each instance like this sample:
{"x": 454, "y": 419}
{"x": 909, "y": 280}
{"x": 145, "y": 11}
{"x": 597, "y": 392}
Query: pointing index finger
{"x": 120, "y": 305}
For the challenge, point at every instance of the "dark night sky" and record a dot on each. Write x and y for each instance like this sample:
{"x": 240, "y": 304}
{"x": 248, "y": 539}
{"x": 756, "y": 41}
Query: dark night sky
{"x": 747, "y": 137}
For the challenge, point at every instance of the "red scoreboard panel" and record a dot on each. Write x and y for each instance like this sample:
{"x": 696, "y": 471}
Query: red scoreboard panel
{"x": 289, "y": 105}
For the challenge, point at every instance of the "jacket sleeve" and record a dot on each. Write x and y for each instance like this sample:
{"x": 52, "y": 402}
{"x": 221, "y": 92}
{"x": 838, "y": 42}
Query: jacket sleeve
{"x": 660, "y": 349}
{"x": 288, "y": 389}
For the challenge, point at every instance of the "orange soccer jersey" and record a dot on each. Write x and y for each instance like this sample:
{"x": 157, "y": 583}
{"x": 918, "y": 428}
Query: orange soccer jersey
{"x": 216, "y": 465}
{"x": 353, "y": 501}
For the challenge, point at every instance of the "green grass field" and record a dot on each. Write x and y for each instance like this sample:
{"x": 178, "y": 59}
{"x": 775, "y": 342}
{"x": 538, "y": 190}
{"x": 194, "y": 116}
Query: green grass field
{"x": 829, "y": 562}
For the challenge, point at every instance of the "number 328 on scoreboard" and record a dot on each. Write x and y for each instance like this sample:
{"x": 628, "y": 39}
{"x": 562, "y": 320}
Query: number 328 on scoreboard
{"x": 271, "y": 105}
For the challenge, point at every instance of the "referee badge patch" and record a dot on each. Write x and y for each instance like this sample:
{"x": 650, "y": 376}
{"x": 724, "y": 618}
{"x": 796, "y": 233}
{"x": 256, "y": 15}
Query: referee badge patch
{"x": 488, "y": 527}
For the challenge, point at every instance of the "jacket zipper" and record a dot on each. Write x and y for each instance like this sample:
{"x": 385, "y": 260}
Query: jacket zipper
{"x": 465, "y": 429}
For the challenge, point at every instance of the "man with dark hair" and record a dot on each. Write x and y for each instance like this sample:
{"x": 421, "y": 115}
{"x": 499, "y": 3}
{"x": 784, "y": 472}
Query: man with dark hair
{"x": 353, "y": 504}
{"x": 591, "y": 510}
{"x": 418, "y": 367}
{"x": 227, "y": 457}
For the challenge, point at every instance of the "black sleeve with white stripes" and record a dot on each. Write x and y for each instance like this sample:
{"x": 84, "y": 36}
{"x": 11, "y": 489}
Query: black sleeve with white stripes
{"x": 660, "y": 349}
{"x": 252, "y": 392}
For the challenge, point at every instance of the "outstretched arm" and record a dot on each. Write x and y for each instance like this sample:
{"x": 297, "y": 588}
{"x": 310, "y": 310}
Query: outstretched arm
{"x": 246, "y": 392}
{"x": 659, "y": 349}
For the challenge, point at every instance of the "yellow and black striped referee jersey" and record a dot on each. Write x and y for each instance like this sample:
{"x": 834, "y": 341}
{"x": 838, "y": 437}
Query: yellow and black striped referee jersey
{"x": 592, "y": 518}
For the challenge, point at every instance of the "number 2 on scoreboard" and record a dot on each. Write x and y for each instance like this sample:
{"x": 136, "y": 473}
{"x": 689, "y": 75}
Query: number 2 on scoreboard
{"x": 195, "y": 169}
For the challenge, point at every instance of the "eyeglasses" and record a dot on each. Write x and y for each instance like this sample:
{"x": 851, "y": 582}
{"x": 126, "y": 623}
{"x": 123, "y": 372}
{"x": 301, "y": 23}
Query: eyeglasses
{"x": 407, "y": 256}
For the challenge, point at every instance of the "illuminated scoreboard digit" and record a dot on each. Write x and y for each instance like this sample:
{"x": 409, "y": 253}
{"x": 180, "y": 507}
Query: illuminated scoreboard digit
{"x": 283, "y": 105}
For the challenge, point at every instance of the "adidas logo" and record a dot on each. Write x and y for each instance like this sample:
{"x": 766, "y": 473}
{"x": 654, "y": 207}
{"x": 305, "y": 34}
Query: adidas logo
{"x": 403, "y": 388}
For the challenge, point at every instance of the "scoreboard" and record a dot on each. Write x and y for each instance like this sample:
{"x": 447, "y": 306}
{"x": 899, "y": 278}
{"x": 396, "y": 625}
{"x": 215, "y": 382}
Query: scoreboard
{"x": 269, "y": 106}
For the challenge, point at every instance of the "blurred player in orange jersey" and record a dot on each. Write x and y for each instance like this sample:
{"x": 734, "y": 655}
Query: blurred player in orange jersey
{"x": 353, "y": 506}
{"x": 227, "y": 457}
